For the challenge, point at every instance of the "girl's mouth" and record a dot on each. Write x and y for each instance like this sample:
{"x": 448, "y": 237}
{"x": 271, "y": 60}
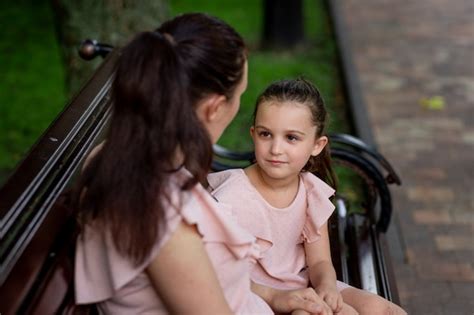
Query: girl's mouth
{"x": 275, "y": 162}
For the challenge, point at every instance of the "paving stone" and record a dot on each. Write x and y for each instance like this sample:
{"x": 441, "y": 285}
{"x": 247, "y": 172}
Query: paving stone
{"x": 432, "y": 217}
{"x": 444, "y": 271}
{"x": 430, "y": 173}
{"x": 427, "y": 194}
{"x": 414, "y": 50}
{"x": 463, "y": 290}
{"x": 450, "y": 243}
{"x": 466, "y": 217}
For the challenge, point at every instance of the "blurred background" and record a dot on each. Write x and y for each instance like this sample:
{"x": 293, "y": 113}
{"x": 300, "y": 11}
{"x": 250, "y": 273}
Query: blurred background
{"x": 41, "y": 69}
{"x": 415, "y": 63}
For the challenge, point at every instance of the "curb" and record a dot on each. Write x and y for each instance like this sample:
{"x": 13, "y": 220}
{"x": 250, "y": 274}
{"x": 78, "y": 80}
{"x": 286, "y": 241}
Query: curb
{"x": 350, "y": 80}
{"x": 361, "y": 123}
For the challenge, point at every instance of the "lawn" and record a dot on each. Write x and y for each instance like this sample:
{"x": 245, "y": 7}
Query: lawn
{"x": 316, "y": 60}
{"x": 31, "y": 80}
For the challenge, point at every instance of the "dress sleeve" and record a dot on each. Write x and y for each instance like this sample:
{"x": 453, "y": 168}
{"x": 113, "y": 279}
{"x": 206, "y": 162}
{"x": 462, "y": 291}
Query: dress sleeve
{"x": 319, "y": 207}
{"x": 216, "y": 223}
{"x": 233, "y": 192}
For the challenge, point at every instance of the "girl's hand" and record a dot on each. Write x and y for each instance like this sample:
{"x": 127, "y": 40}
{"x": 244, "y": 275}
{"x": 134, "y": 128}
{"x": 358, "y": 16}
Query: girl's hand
{"x": 301, "y": 301}
{"x": 331, "y": 296}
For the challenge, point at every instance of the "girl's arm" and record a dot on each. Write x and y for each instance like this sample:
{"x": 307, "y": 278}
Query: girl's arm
{"x": 286, "y": 301}
{"x": 321, "y": 270}
{"x": 183, "y": 268}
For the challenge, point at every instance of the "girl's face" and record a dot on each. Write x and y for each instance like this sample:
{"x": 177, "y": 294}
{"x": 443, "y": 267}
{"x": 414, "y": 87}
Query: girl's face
{"x": 284, "y": 138}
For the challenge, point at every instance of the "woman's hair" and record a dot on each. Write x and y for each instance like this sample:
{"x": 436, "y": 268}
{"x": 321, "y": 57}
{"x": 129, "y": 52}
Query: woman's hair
{"x": 160, "y": 77}
{"x": 304, "y": 92}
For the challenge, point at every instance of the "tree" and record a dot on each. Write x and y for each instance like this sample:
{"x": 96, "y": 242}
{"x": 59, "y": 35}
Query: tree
{"x": 110, "y": 21}
{"x": 283, "y": 25}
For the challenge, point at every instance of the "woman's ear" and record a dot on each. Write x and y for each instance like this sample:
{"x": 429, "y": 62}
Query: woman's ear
{"x": 319, "y": 145}
{"x": 210, "y": 108}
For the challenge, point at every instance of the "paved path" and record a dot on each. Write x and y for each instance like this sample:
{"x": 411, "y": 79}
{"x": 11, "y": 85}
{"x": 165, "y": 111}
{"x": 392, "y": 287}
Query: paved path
{"x": 407, "y": 52}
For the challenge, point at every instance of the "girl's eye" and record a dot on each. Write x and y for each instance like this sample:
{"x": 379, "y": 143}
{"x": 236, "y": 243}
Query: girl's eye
{"x": 264, "y": 134}
{"x": 292, "y": 138}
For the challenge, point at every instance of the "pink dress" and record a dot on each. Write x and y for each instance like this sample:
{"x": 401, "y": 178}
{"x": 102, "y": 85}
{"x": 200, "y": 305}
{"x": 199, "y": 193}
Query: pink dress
{"x": 105, "y": 277}
{"x": 280, "y": 232}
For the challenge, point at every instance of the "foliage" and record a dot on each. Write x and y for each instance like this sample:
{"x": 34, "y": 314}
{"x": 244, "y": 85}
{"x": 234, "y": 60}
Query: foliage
{"x": 316, "y": 60}
{"x": 108, "y": 21}
{"x": 33, "y": 74}
{"x": 32, "y": 78}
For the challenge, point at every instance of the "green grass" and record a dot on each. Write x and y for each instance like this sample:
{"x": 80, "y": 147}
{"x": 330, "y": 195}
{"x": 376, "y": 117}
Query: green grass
{"x": 32, "y": 77}
{"x": 31, "y": 80}
{"x": 316, "y": 60}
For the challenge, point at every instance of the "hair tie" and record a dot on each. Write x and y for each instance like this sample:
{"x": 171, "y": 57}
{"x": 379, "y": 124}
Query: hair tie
{"x": 167, "y": 37}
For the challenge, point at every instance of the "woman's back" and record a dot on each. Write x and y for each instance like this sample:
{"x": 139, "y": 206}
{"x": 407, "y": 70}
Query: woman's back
{"x": 106, "y": 277}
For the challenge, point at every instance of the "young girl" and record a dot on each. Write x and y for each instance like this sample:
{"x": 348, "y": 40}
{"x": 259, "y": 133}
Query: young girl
{"x": 285, "y": 206}
{"x": 153, "y": 240}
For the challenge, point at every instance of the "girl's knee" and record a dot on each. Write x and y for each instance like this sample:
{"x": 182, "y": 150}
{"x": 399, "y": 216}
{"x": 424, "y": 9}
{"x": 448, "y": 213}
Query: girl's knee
{"x": 379, "y": 305}
{"x": 396, "y": 310}
{"x": 348, "y": 310}
{"x": 366, "y": 303}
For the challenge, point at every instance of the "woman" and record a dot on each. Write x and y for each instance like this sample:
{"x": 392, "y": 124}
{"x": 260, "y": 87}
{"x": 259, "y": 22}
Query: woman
{"x": 153, "y": 240}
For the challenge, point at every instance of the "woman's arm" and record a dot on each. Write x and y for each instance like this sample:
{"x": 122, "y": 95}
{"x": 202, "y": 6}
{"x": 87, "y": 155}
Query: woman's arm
{"x": 181, "y": 269}
{"x": 321, "y": 270}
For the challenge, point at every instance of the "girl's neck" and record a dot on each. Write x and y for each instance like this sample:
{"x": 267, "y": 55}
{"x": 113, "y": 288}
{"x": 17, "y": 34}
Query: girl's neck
{"x": 280, "y": 193}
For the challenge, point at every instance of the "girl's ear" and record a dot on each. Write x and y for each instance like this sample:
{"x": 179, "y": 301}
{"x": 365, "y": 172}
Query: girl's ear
{"x": 252, "y": 131}
{"x": 319, "y": 145}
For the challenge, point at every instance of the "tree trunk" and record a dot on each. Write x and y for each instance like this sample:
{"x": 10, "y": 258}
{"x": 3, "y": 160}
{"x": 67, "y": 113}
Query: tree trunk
{"x": 283, "y": 23}
{"x": 108, "y": 21}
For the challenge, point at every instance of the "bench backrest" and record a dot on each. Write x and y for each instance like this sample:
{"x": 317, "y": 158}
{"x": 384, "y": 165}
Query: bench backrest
{"x": 38, "y": 229}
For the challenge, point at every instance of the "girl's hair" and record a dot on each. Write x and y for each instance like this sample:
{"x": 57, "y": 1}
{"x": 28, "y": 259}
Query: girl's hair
{"x": 160, "y": 77}
{"x": 304, "y": 92}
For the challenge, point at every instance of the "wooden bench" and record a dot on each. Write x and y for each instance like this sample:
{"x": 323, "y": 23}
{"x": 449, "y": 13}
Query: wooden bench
{"x": 38, "y": 227}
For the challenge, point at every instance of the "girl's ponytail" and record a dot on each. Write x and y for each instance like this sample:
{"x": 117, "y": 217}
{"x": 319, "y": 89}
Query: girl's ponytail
{"x": 321, "y": 165}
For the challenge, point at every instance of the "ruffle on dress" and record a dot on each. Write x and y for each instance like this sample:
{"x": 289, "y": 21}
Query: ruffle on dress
{"x": 319, "y": 207}
{"x": 100, "y": 271}
{"x": 216, "y": 224}
{"x": 232, "y": 189}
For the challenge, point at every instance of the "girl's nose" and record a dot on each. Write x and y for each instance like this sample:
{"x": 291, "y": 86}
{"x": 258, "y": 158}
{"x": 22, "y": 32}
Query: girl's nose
{"x": 276, "y": 147}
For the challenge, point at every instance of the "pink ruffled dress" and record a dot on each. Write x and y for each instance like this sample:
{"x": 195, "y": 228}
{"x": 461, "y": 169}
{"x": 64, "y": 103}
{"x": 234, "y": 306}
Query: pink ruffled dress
{"x": 105, "y": 277}
{"x": 280, "y": 232}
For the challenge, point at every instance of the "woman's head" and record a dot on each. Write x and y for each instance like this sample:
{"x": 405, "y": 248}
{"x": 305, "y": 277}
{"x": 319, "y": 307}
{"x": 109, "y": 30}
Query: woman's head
{"x": 165, "y": 76}
{"x": 214, "y": 57}
{"x": 211, "y": 53}
{"x": 175, "y": 90}
{"x": 289, "y": 126}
